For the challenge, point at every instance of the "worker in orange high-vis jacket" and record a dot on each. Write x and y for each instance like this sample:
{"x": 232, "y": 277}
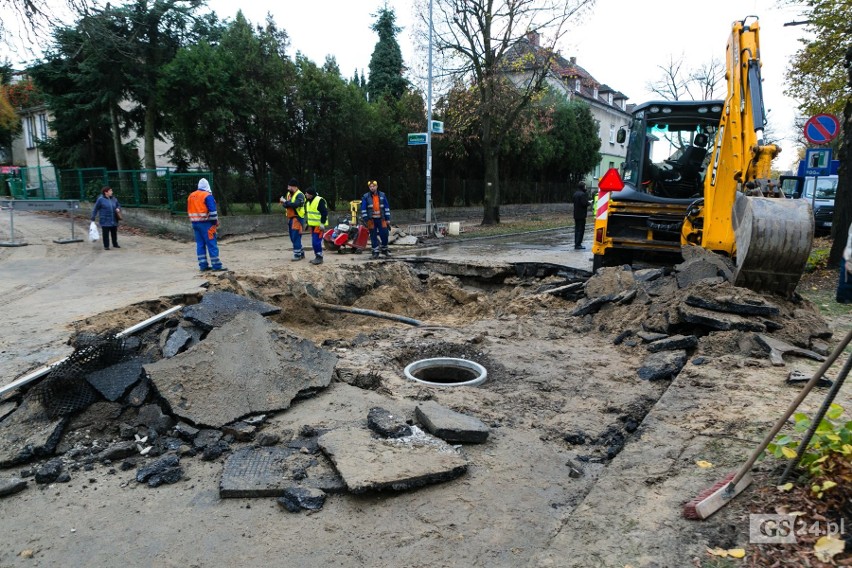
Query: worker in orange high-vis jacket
{"x": 294, "y": 207}
{"x": 201, "y": 208}
{"x": 375, "y": 213}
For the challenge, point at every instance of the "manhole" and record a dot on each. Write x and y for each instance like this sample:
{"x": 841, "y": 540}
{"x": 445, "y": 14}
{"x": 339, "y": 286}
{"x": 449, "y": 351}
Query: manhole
{"x": 446, "y": 372}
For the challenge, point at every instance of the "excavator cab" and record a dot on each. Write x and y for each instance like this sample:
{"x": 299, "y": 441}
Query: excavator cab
{"x": 685, "y": 182}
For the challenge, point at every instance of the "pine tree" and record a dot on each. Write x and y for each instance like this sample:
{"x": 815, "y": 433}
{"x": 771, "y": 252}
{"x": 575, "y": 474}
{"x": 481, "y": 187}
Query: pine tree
{"x": 386, "y": 66}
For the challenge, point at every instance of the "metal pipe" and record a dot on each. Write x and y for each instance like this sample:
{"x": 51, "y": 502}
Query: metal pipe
{"x": 26, "y": 379}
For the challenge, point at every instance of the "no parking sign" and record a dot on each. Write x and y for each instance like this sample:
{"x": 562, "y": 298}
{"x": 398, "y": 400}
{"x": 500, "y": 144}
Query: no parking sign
{"x": 822, "y": 128}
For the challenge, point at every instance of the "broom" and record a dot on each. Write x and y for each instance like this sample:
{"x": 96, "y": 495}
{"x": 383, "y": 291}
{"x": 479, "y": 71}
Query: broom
{"x": 716, "y": 497}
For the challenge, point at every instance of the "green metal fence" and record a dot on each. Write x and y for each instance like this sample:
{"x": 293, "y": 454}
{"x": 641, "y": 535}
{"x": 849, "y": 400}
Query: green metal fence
{"x": 166, "y": 189}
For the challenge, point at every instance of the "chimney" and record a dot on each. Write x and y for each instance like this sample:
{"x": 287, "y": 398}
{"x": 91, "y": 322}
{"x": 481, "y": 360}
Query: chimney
{"x": 533, "y": 38}
{"x": 573, "y": 61}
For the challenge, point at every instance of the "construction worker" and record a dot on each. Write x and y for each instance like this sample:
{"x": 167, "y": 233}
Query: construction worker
{"x": 294, "y": 206}
{"x": 375, "y": 213}
{"x": 201, "y": 208}
{"x": 317, "y": 217}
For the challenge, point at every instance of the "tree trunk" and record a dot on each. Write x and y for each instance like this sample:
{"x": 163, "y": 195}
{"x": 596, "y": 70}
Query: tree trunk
{"x": 843, "y": 199}
{"x": 150, "y": 156}
{"x": 119, "y": 155}
{"x": 491, "y": 201}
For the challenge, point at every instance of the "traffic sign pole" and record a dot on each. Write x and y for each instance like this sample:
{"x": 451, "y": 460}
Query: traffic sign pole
{"x": 429, "y": 130}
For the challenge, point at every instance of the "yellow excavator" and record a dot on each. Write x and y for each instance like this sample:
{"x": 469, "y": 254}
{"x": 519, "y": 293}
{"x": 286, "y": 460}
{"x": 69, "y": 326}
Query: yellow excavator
{"x": 707, "y": 190}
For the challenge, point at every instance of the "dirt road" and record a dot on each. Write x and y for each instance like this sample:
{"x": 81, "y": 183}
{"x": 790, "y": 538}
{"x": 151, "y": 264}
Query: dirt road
{"x": 559, "y": 391}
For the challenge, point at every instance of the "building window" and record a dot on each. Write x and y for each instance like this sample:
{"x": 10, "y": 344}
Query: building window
{"x": 612, "y": 133}
{"x": 42, "y": 126}
{"x": 577, "y": 85}
{"x": 30, "y": 131}
{"x": 612, "y": 165}
{"x": 595, "y": 93}
{"x": 609, "y": 98}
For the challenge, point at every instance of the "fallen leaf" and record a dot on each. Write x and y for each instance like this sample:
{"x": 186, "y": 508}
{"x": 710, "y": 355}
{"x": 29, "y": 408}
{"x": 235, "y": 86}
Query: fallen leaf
{"x": 827, "y": 547}
{"x": 785, "y": 487}
{"x": 736, "y": 552}
{"x": 828, "y": 485}
{"x": 718, "y": 552}
{"x": 703, "y": 464}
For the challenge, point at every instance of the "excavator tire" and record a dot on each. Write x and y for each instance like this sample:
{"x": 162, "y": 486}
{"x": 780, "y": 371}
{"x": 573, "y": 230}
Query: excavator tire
{"x": 774, "y": 238}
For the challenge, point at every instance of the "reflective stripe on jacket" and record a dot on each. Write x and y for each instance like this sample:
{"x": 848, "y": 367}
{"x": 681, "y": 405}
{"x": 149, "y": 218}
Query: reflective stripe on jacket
{"x": 368, "y": 211}
{"x": 200, "y": 208}
{"x": 317, "y": 211}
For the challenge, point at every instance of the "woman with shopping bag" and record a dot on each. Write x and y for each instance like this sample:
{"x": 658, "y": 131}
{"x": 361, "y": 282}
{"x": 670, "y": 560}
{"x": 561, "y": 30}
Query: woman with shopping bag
{"x": 108, "y": 211}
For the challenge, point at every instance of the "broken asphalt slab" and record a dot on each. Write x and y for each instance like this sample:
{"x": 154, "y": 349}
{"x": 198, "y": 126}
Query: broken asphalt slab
{"x": 249, "y": 365}
{"x": 217, "y": 308}
{"x": 373, "y": 464}
{"x": 27, "y": 433}
{"x": 449, "y": 425}
{"x": 272, "y": 471}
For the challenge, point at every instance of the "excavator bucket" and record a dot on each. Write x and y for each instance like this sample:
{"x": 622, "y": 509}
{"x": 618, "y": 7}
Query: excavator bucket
{"x": 774, "y": 238}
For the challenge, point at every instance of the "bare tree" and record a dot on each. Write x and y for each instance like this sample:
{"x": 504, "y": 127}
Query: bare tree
{"x": 479, "y": 43}
{"x": 699, "y": 83}
{"x": 25, "y": 22}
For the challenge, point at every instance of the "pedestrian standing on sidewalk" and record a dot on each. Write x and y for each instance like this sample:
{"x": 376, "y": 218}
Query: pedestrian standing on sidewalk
{"x": 375, "y": 213}
{"x": 201, "y": 208}
{"x": 581, "y": 210}
{"x": 294, "y": 207}
{"x": 108, "y": 211}
{"x": 317, "y": 216}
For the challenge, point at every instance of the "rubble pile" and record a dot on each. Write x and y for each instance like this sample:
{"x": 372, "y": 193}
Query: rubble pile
{"x": 203, "y": 385}
{"x": 694, "y": 309}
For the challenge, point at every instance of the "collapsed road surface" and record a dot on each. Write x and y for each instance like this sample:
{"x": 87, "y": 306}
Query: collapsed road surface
{"x": 599, "y": 400}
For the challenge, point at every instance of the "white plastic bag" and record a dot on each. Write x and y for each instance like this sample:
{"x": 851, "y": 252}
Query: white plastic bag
{"x": 93, "y": 232}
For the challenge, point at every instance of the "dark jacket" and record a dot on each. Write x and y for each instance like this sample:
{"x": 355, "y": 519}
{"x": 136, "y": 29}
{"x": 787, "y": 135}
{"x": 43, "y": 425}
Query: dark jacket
{"x": 367, "y": 212}
{"x": 581, "y": 204}
{"x": 105, "y": 211}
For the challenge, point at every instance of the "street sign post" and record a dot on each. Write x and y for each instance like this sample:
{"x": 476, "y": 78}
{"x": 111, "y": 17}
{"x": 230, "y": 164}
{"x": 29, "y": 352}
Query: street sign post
{"x": 822, "y": 128}
{"x": 437, "y": 127}
{"x": 417, "y": 139}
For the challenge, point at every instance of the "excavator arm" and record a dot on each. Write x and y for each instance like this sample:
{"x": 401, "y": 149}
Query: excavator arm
{"x": 769, "y": 238}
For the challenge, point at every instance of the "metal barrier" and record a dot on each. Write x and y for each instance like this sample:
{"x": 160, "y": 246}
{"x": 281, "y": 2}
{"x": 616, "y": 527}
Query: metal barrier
{"x": 38, "y": 205}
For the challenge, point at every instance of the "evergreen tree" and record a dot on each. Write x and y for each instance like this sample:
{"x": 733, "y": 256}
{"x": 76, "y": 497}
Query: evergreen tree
{"x": 386, "y": 67}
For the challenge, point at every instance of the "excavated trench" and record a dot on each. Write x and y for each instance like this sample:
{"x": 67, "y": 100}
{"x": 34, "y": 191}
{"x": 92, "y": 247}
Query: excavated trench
{"x": 554, "y": 367}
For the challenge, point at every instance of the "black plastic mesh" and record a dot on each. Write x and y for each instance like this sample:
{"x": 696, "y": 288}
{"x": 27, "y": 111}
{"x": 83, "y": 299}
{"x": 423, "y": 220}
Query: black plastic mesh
{"x": 65, "y": 389}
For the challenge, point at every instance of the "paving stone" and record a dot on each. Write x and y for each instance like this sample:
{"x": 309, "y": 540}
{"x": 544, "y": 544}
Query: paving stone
{"x": 218, "y": 308}
{"x": 662, "y": 365}
{"x": 371, "y": 464}
{"x": 386, "y": 424}
{"x": 28, "y": 433}
{"x": 249, "y": 365}
{"x": 114, "y": 381}
{"x": 449, "y": 425}
{"x": 673, "y": 342}
{"x": 11, "y": 485}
